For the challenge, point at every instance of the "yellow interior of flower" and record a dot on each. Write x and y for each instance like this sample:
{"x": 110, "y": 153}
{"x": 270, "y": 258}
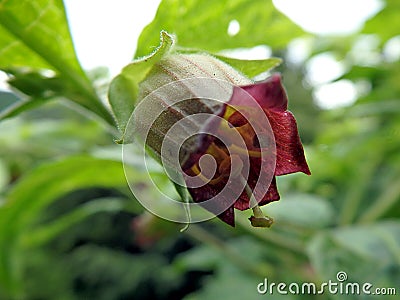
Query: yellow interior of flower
{"x": 234, "y": 123}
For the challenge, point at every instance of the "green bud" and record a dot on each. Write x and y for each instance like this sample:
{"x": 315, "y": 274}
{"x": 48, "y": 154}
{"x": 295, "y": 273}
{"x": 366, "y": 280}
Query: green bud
{"x": 178, "y": 86}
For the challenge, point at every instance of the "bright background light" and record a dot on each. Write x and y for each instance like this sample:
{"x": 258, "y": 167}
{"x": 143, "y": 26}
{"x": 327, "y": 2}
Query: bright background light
{"x": 327, "y": 16}
{"x": 105, "y": 32}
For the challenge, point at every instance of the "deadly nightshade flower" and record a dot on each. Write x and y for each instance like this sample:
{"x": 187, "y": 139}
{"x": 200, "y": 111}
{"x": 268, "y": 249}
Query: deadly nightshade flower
{"x": 241, "y": 174}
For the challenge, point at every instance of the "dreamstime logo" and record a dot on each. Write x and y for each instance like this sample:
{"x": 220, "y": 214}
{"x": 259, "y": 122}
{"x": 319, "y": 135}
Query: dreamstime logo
{"x": 174, "y": 120}
{"x": 340, "y": 287}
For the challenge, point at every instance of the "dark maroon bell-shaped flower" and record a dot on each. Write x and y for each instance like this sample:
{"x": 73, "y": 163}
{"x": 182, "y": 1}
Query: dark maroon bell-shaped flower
{"x": 271, "y": 96}
{"x": 256, "y": 112}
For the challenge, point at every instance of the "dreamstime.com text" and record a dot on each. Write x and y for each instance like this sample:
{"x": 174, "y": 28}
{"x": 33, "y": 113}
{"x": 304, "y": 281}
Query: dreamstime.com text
{"x": 339, "y": 287}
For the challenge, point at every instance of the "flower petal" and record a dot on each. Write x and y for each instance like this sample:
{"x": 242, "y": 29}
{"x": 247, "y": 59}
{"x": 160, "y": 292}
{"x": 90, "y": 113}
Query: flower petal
{"x": 289, "y": 150}
{"x": 228, "y": 216}
{"x": 269, "y": 94}
{"x": 209, "y": 191}
{"x": 271, "y": 195}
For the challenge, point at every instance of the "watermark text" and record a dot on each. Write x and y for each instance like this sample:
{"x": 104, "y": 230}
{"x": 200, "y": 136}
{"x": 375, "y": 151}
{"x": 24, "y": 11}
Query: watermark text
{"x": 334, "y": 287}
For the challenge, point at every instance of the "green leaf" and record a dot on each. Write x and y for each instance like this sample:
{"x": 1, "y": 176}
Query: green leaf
{"x": 37, "y": 86}
{"x": 204, "y": 24}
{"x": 49, "y": 182}
{"x": 366, "y": 253}
{"x": 185, "y": 197}
{"x": 34, "y": 36}
{"x": 35, "y": 33}
{"x": 124, "y": 88}
{"x": 251, "y": 67}
{"x": 122, "y": 95}
{"x": 228, "y": 285}
{"x": 4, "y": 177}
{"x": 302, "y": 210}
{"x": 379, "y": 23}
{"x": 19, "y": 107}
{"x": 34, "y": 192}
{"x": 114, "y": 274}
{"x": 7, "y": 99}
{"x": 228, "y": 281}
{"x": 48, "y": 231}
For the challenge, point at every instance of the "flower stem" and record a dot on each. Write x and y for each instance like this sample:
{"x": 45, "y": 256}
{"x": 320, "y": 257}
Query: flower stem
{"x": 258, "y": 219}
{"x": 257, "y": 211}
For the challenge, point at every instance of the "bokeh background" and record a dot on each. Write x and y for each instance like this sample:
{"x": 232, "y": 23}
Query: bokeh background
{"x": 71, "y": 229}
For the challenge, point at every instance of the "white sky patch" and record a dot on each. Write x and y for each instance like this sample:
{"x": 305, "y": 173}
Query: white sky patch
{"x": 329, "y": 16}
{"x": 299, "y": 50}
{"x": 336, "y": 94}
{"x": 392, "y": 49}
{"x": 233, "y": 28}
{"x": 3, "y": 81}
{"x": 323, "y": 68}
{"x": 105, "y": 32}
{"x": 365, "y": 51}
{"x": 257, "y": 52}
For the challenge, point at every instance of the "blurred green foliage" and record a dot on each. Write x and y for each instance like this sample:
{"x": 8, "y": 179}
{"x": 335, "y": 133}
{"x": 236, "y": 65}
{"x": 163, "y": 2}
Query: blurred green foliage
{"x": 71, "y": 229}
{"x": 204, "y": 25}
